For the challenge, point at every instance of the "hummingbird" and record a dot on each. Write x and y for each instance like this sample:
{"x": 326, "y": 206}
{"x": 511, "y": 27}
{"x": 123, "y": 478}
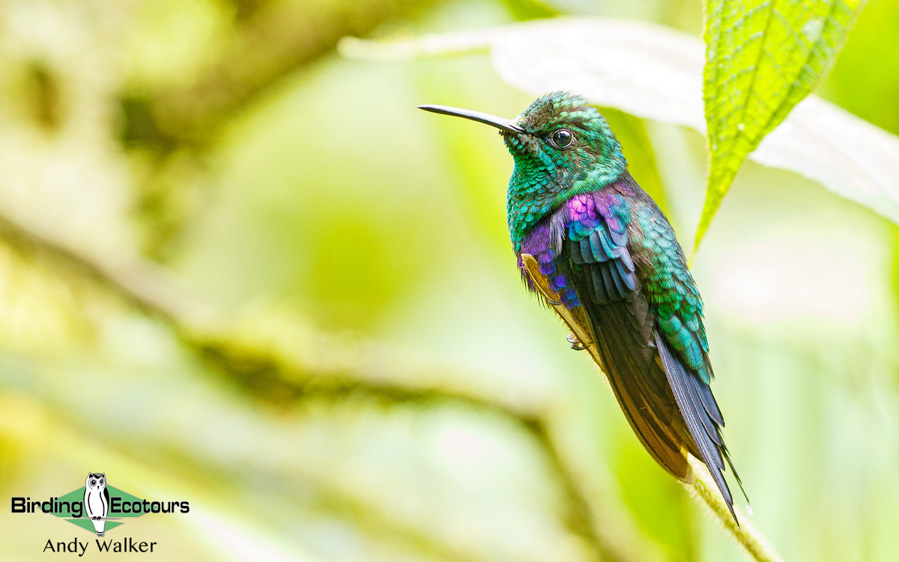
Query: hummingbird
{"x": 602, "y": 254}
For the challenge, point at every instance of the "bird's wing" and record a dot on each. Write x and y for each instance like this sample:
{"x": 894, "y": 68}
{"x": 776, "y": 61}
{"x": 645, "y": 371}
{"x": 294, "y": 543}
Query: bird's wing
{"x": 648, "y": 326}
{"x": 602, "y": 272}
{"x": 628, "y": 297}
{"x": 639, "y": 404}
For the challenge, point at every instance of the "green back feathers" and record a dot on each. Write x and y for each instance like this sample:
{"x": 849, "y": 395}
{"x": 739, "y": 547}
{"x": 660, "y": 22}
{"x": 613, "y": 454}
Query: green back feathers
{"x": 672, "y": 293}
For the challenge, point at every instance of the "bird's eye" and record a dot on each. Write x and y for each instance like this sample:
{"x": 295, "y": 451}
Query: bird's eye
{"x": 561, "y": 138}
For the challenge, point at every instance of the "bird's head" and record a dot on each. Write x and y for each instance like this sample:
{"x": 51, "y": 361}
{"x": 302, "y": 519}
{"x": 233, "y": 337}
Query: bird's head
{"x": 562, "y": 146}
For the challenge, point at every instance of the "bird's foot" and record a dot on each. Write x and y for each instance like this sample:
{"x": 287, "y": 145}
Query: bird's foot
{"x": 575, "y": 343}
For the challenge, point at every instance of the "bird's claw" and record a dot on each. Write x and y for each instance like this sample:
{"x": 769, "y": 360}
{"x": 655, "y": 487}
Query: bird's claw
{"x": 575, "y": 343}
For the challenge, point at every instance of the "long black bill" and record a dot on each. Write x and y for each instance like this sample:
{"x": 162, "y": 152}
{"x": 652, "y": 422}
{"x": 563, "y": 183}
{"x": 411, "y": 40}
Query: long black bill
{"x": 486, "y": 118}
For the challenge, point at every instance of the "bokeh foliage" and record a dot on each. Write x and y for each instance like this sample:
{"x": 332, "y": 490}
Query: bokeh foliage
{"x": 239, "y": 269}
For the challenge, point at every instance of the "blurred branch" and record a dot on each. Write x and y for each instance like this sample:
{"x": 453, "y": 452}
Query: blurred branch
{"x": 175, "y": 125}
{"x": 606, "y": 535}
{"x": 292, "y": 365}
{"x": 270, "y": 39}
{"x": 139, "y": 282}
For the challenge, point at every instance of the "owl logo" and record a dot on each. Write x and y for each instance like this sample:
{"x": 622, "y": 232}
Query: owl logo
{"x": 96, "y": 501}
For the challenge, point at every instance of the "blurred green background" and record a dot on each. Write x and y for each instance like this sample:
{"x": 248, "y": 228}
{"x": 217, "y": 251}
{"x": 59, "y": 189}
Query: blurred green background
{"x": 240, "y": 270}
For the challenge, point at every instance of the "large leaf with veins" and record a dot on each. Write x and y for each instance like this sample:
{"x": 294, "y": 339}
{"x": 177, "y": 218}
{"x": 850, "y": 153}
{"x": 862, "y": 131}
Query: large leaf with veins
{"x": 657, "y": 73}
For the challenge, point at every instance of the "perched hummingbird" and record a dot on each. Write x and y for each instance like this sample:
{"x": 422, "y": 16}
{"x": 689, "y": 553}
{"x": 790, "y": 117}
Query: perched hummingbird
{"x": 603, "y": 255}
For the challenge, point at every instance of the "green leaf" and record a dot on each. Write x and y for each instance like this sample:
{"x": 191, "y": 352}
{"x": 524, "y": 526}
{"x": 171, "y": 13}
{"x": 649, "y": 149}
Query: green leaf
{"x": 762, "y": 58}
{"x": 655, "y": 73}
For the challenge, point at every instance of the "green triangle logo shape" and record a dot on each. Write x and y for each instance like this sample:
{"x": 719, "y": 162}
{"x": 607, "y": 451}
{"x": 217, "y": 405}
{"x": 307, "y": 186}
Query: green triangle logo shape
{"x": 70, "y": 508}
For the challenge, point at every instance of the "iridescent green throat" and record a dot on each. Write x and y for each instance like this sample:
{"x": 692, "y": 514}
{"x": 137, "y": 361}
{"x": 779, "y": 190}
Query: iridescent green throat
{"x": 546, "y": 177}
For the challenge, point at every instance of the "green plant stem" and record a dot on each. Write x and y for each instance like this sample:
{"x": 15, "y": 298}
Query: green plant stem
{"x": 703, "y": 489}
